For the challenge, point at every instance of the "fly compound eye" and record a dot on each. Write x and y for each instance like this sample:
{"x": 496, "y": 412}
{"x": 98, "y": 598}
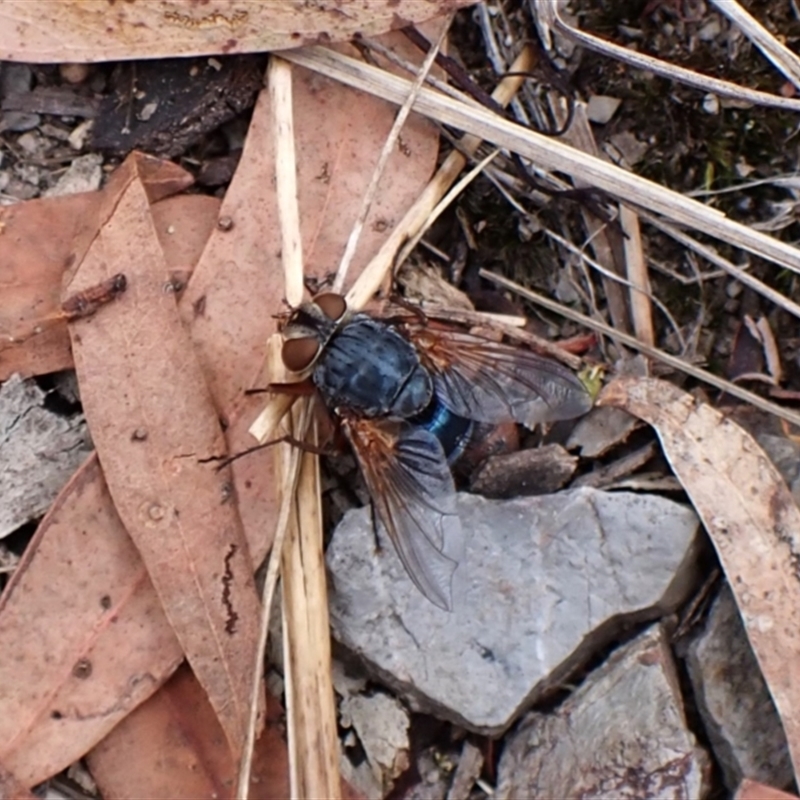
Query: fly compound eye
{"x": 332, "y": 305}
{"x": 299, "y": 354}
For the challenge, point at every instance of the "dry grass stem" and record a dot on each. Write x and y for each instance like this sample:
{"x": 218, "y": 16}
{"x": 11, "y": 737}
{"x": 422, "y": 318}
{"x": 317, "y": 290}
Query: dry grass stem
{"x": 289, "y": 469}
{"x": 443, "y": 204}
{"x": 650, "y": 352}
{"x": 551, "y": 154}
{"x": 641, "y": 310}
{"x": 311, "y": 713}
{"x": 375, "y": 272}
{"x": 780, "y": 55}
{"x": 313, "y": 744}
{"x": 279, "y": 78}
{"x": 549, "y": 17}
{"x": 388, "y": 148}
{"x": 581, "y": 136}
{"x": 711, "y": 255}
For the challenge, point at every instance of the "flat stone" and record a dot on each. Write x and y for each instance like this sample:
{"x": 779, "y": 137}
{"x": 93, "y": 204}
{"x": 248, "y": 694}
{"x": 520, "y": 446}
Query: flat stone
{"x": 622, "y": 734}
{"x": 84, "y": 174}
{"x": 535, "y": 470}
{"x": 601, "y": 108}
{"x": 600, "y": 430}
{"x": 738, "y": 714}
{"x": 546, "y": 581}
{"x": 381, "y": 723}
{"x": 39, "y": 451}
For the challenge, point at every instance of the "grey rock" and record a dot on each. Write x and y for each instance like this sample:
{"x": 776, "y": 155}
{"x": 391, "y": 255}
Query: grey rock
{"x": 601, "y": 108}
{"x": 15, "y": 78}
{"x": 545, "y": 582}
{"x": 85, "y": 174}
{"x": 39, "y": 451}
{"x": 622, "y": 734}
{"x": 785, "y": 455}
{"x": 738, "y": 714}
{"x": 18, "y": 121}
{"x": 600, "y": 430}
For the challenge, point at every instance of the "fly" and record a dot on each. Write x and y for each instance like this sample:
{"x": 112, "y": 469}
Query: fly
{"x": 407, "y": 394}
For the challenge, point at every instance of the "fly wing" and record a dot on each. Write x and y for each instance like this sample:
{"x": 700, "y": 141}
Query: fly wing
{"x": 493, "y": 382}
{"x": 412, "y": 488}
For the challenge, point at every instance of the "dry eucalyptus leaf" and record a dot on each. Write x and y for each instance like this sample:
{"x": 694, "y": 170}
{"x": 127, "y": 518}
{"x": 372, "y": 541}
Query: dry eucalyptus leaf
{"x": 237, "y": 287}
{"x": 750, "y": 516}
{"x": 77, "y": 657}
{"x": 99, "y": 30}
{"x": 155, "y": 427}
{"x": 39, "y": 240}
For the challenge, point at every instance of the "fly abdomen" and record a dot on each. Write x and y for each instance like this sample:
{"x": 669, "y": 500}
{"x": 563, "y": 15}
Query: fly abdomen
{"x": 452, "y": 431}
{"x": 369, "y": 368}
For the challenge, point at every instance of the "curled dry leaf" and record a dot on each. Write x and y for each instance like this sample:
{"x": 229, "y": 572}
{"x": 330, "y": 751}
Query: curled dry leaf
{"x": 155, "y": 428}
{"x": 96, "y": 30}
{"x": 751, "y": 517}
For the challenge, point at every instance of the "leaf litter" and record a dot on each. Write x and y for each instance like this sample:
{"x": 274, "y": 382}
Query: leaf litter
{"x": 688, "y": 448}
{"x": 231, "y": 284}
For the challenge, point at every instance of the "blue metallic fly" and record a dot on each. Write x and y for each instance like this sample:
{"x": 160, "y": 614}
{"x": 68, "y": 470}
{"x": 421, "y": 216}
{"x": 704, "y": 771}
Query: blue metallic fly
{"x": 407, "y": 393}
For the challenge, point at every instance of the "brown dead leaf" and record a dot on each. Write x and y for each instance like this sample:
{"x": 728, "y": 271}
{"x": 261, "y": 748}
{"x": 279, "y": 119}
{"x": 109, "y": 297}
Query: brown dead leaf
{"x": 751, "y": 517}
{"x": 752, "y": 790}
{"x": 154, "y": 426}
{"x": 11, "y": 788}
{"x": 237, "y": 287}
{"x": 173, "y": 746}
{"x": 98, "y": 30}
{"x": 39, "y": 240}
{"x": 77, "y": 657}
{"x": 51, "y": 719}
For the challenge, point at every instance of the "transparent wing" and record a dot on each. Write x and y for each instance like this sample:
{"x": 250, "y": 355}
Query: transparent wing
{"x": 493, "y": 382}
{"x": 411, "y": 485}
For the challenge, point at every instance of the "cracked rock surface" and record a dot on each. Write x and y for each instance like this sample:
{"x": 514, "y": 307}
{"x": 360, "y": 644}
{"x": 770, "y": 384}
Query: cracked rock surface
{"x": 622, "y": 734}
{"x": 738, "y": 714}
{"x": 546, "y": 582}
{"x": 39, "y": 451}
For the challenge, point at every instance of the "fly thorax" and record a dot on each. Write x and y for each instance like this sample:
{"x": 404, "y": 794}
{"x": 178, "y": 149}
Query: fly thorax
{"x": 367, "y": 367}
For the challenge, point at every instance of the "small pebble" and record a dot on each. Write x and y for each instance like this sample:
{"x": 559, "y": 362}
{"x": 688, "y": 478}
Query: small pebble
{"x": 77, "y": 139}
{"x": 30, "y": 142}
{"x": 711, "y": 104}
{"x": 74, "y": 73}
{"x": 16, "y": 78}
{"x": 601, "y": 108}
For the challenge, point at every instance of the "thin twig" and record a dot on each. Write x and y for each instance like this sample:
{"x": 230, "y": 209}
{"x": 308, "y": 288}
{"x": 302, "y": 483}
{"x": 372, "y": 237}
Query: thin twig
{"x": 780, "y": 55}
{"x": 550, "y": 153}
{"x": 267, "y": 596}
{"x": 710, "y": 254}
{"x": 279, "y": 77}
{"x": 550, "y": 14}
{"x": 388, "y": 149}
